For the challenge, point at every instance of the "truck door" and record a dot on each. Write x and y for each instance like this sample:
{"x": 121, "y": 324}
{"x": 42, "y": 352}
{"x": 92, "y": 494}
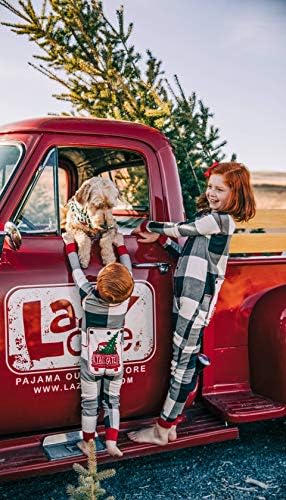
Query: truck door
{"x": 42, "y": 313}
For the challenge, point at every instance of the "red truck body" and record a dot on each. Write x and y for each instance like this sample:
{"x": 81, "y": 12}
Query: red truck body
{"x": 42, "y": 163}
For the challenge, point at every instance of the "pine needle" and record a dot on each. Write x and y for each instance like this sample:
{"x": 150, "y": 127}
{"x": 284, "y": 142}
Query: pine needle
{"x": 89, "y": 487}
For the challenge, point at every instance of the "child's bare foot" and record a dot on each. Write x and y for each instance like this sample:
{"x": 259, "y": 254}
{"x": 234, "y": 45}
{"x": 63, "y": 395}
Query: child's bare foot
{"x": 153, "y": 435}
{"x": 172, "y": 433}
{"x": 113, "y": 449}
{"x": 83, "y": 446}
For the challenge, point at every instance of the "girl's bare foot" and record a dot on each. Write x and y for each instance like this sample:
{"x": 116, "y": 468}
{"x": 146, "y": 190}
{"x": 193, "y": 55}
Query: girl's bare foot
{"x": 153, "y": 435}
{"x": 172, "y": 433}
{"x": 83, "y": 446}
{"x": 113, "y": 449}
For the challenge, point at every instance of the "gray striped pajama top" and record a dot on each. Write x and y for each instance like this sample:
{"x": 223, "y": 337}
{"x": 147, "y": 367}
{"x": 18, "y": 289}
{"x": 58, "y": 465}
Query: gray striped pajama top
{"x": 203, "y": 259}
{"x": 97, "y": 313}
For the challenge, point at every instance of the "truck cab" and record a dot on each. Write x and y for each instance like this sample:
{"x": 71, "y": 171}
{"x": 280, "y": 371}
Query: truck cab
{"x": 42, "y": 163}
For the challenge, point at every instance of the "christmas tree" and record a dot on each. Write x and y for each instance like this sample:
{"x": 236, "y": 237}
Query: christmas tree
{"x": 110, "y": 347}
{"x": 89, "y": 479}
{"x": 103, "y": 76}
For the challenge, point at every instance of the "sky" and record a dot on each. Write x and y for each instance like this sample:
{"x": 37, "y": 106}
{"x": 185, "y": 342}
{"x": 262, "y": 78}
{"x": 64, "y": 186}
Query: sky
{"x": 232, "y": 53}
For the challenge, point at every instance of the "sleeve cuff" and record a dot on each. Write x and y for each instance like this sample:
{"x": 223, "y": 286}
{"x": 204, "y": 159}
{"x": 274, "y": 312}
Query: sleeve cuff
{"x": 71, "y": 247}
{"x": 162, "y": 239}
{"x": 122, "y": 250}
{"x": 144, "y": 226}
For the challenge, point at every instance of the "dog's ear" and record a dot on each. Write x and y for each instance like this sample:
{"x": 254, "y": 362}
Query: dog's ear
{"x": 83, "y": 193}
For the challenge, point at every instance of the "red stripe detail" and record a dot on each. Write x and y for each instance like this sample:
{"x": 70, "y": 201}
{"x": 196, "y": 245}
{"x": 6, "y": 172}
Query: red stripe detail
{"x": 165, "y": 424}
{"x": 180, "y": 419}
{"x": 122, "y": 250}
{"x": 71, "y": 247}
{"x": 143, "y": 226}
{"x": 162, "y": 239}
{"x": 111, "y": 434}
{"x": 87, "y": 436}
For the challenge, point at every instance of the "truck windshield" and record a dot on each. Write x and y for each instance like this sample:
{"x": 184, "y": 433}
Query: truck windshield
{"x": 10, "y": 155}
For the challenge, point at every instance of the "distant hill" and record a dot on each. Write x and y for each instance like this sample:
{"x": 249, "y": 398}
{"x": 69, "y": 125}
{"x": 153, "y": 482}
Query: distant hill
{"x": 269, "y": 189}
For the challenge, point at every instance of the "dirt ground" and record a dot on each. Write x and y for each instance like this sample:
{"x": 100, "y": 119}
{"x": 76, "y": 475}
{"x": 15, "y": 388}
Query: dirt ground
{"x": 253, "y": 467}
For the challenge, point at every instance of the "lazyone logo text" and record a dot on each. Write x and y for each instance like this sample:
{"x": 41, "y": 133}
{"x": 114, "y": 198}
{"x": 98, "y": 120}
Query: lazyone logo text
{"x": 43, "y": 327}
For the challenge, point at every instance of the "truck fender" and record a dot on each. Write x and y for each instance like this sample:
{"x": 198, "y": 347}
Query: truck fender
{"x": 267, "y": 345}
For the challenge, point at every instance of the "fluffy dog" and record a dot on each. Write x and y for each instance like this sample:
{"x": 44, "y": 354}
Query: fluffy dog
{"x": 90, "y": 215}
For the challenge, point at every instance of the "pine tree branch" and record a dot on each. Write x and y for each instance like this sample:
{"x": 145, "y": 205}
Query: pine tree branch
{"x": 12, "y": 9}
{"x": 97, "y": 67}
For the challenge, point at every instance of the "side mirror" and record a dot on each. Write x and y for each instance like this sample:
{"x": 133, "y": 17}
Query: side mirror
{"x": 13, "y": 235}
{"x": 2, "y": 238}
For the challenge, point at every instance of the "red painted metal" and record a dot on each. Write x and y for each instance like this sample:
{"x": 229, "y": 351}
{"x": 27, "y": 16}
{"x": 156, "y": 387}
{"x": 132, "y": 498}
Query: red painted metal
{"x": 25, "y": 456}
{"x": 226, "y": 341}
{"x": 267, "y": 345}
{"x": 87, "y": 126}
{"x": 41, "y": 260}
{"x": 238, "y": 407}
{"x": 246, "y": 334}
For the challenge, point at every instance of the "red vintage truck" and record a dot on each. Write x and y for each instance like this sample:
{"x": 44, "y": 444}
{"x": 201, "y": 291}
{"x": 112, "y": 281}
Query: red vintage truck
{"x": 42, "y": 163}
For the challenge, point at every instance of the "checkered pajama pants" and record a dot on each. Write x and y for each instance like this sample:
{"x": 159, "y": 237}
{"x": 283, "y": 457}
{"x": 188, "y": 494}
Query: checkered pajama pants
{"x": 187, "y": 340}
{"x": 97, "y": 390}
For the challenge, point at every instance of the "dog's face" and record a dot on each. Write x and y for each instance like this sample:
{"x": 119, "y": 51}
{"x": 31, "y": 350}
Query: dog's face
{"x": 97, "y": 193}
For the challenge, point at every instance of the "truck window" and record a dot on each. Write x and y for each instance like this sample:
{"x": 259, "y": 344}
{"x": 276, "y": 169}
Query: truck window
{"x": 38, "y": 211}
{"x": 126, "y": 169}
{"x": 10, "y": 155}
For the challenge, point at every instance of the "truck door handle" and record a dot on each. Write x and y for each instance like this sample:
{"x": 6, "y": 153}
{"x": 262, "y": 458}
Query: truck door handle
{"x": 162, "y": 266}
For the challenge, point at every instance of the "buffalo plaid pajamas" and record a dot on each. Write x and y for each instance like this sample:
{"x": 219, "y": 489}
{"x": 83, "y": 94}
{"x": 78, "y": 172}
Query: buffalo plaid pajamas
{"x": 198, "y": 278}
{"x": 98, "y": 315}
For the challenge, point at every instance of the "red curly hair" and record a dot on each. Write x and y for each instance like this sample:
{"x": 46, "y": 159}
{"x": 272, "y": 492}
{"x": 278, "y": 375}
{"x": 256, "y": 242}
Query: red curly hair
{"x": 115, "y": 283}
{"x": 241, "y": 204}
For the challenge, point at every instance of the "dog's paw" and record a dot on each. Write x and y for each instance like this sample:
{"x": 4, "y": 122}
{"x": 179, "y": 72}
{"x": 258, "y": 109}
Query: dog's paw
{"x": 83, "y": 260}
{"x": 68, "y": 238}
{"x": 118, "y": 240}
{"x": 83, "y": 264}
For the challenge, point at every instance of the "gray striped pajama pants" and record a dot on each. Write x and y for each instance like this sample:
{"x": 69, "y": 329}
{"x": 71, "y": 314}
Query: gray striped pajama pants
{"x": 187, "y": 340}
{"x": 97, "y": 390}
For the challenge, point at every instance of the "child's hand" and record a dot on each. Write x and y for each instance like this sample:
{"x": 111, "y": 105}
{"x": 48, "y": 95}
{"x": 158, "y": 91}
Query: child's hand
{"x": 136, "y": 230}
{"x": 68, "y": 238}
{"x": 147, "y": 237}
{"x": 118, "y": 240}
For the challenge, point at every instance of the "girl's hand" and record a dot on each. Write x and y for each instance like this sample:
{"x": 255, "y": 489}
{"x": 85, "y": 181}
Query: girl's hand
{"x": 68, "y": 238}
{"x": 136, "y": 230}
{"x": 118, "y": 240}
{"x": 147, "y": 237}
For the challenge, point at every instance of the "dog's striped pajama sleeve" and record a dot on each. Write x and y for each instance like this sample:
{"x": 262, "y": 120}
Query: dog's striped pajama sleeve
{"x": 83, "y": 285}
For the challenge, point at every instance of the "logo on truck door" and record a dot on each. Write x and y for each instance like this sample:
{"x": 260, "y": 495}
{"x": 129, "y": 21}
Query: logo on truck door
{"x": 43, "y": 327}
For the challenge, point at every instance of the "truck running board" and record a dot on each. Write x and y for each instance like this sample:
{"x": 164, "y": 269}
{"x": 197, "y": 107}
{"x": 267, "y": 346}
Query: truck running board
{"x": 59, "y": 446}
{"x": 26, "y": 456}
{"x": 239, "y": 407}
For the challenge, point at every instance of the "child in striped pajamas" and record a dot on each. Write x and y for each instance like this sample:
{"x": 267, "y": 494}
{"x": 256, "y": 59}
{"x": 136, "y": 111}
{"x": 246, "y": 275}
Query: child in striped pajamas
{"x": 104, "y": 308}
{"x": 199, "y": 275}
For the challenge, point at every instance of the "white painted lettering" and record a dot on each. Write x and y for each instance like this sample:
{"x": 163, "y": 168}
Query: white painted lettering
{"x": 128, "y": 380}
{"x": 135, "y": 369}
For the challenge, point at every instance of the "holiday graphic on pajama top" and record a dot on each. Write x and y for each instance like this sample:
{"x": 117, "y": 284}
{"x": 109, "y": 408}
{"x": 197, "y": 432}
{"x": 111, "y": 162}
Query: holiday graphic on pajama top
{"x": 104, "y": 351}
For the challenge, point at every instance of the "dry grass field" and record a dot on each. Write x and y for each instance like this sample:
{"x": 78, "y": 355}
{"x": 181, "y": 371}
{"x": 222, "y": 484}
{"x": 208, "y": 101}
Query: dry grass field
{"x": 270, "y": 189}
